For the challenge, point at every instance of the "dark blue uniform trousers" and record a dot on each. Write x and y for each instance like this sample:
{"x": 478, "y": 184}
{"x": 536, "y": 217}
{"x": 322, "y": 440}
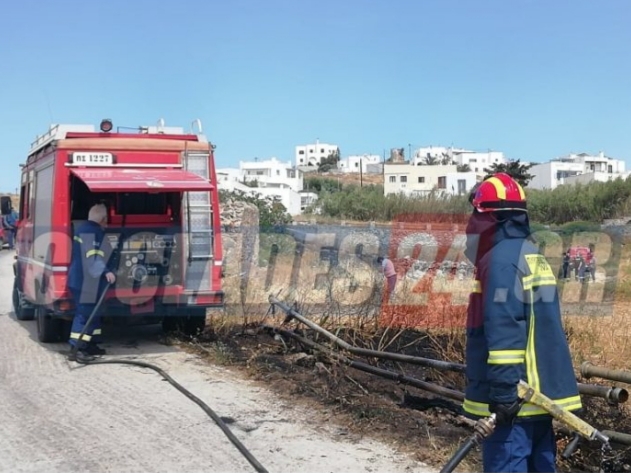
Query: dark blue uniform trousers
{"x": 526, "y": 447}
{"x": 82, "y": 314}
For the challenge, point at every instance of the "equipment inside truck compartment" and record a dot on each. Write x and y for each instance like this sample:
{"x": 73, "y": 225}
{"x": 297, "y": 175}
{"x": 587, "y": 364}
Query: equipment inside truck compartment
{"x": 123, "y": 203}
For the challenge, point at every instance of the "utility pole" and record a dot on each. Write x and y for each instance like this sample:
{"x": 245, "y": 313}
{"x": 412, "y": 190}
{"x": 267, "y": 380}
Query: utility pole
{"x": 361, "y": 172}
{"x": 383, "y": 168}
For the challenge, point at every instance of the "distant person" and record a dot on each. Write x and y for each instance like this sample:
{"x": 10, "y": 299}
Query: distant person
{"x": 566, "y": 264}
{"x": 387, "y": 267}
{"x": 10, "y": 225}
{"x": 581, "y": 267}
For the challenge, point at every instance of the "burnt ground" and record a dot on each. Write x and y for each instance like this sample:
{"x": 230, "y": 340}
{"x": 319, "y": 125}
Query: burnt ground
{"x": 425, "y": 425}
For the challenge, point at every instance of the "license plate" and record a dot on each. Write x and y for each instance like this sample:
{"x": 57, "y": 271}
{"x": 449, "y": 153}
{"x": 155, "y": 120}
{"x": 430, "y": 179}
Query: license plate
{"x": 92, "y": 159}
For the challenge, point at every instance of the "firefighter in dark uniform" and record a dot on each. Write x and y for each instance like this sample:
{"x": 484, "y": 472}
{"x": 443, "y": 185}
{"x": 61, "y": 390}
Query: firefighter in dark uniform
{"x": 514, "y": 332}
{"x": 87, "y": 279}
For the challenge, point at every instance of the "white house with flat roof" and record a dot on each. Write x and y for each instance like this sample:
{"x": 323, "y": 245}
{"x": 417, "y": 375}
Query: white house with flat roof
{"x": 272, "y": 178}
{"x": 366, "y": 163}
{"x": 313, "y": 154}
{"x": 575, "y": 168}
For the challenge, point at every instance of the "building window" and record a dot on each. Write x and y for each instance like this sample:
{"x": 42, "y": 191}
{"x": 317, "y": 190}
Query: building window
{"x": 322, "y": 150}
{"x": 302, "y": 151}
{"x": 393, "y": 178}
{"x": 403, "y": 179}
{"x": 442, "y": 182}
{"x": 609, "y": 168}
{"x": 421, "y": 179}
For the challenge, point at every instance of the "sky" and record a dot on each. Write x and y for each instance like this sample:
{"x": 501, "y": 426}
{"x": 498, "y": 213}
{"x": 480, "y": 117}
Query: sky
{"x": 534, "y": 79}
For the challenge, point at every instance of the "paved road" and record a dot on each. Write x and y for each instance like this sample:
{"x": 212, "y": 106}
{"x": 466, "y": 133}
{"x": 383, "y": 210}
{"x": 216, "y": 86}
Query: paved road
{"x": 57, "y": 416}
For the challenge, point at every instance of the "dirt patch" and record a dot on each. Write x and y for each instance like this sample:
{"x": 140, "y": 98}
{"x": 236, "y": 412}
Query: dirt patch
{"x": 427, "y": 426}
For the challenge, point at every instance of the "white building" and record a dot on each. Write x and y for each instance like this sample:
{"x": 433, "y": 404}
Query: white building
{"x": 477, "y": 161}
{"x": 273, "y": 178}
{"x": 272, "y": 173}
{"x": 360, "y": 163}
{"x": 313, "y": 154}
{"x": 460, "y": 183}
{"x": 576, "y": 168}
{"x": 435, "y": 155}
{"x": 228, "y": 175}
{"x": 290, "y": 199}
{"x": 410, "y": 179}
{"x": 307, "y": 199}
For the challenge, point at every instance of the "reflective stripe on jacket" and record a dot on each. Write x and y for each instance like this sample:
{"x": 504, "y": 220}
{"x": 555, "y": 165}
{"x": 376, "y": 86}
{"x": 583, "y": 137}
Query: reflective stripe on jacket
{"x": 88, "y": 263}
{"x": 514, "y": 331}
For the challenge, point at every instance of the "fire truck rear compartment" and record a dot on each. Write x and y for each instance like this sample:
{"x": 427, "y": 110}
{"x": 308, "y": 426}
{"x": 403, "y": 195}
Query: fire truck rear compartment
{"x": 151, "y": 256}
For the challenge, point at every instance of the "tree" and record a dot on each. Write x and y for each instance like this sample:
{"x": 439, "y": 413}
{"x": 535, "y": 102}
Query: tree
{"x": 445, "y": 159}
{"x": 513, "y": 168}
{"x": 463, "y": 168}
{"x": 272, "y": 213}
{"x": 330, "y": 162}
{"x": 430, "y": 160}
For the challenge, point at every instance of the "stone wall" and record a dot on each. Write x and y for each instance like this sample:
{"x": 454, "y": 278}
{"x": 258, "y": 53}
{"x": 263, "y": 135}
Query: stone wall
{"x": 240, "y": 227}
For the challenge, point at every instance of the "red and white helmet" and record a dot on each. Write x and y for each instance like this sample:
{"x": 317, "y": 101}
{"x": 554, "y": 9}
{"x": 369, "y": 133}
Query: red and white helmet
{"x": 499, "y": 192}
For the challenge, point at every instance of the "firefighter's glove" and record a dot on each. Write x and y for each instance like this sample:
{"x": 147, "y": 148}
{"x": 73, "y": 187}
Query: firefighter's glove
{"x": 505, "y": 414}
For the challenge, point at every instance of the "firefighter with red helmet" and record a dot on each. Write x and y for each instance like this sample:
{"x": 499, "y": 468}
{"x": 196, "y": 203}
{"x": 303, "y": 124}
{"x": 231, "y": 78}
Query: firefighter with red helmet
{"x": 514, "y": 332}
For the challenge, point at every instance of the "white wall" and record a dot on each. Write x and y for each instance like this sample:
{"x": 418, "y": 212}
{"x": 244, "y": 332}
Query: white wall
{"x": 542, "y": 176}
{"x": 313, "y": 154}
{"x": 479, "y": 161}
{"x": 568, "y": 171}
{"x": 468, "y": 179}
{"x": 353, "y": 163}
{"x": 287, "y": 196}
{"x": 272, "y": 173}
{"x": 307, "y": 199}
{"x": 588, "y": 177}
{"x": 411, "y": 179}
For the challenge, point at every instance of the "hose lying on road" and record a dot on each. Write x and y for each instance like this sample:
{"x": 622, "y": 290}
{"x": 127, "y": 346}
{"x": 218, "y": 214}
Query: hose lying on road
{"x": 212, "y": 414}
{"x": 613, "y": 395}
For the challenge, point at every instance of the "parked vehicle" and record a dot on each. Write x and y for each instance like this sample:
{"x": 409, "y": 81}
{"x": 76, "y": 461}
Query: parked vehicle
{"x": 163, "y": 234}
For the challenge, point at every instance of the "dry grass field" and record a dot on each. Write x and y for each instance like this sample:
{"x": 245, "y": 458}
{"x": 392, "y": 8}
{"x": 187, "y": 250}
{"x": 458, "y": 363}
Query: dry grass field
{"x": 426, "y": 318}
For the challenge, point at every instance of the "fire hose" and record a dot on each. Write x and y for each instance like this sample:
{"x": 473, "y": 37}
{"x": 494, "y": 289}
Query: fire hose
{"x": 212, "y": 414}
{"x": 613, "y": 395}
{"x": 485, "y": 427}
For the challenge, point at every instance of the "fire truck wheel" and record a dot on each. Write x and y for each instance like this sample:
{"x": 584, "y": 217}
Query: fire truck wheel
{"x": 195, "y": 322}
{"x": 48, "y": 328}
{"x": 191, "y": 325}
{"x": 21, "y": 313}
{"x": 170, "y": 323}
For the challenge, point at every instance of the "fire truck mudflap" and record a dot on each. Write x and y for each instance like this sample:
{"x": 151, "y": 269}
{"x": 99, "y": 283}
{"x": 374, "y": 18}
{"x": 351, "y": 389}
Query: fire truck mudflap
{"x": 163, "y": 232}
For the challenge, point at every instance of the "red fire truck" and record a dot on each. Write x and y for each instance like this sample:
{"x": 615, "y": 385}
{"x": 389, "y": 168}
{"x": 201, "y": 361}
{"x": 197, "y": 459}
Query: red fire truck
{"x": 163, "y": 234}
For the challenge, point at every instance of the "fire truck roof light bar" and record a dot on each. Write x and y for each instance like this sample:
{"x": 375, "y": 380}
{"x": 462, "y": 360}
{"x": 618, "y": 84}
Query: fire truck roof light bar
{"x": 60, "y": 131}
